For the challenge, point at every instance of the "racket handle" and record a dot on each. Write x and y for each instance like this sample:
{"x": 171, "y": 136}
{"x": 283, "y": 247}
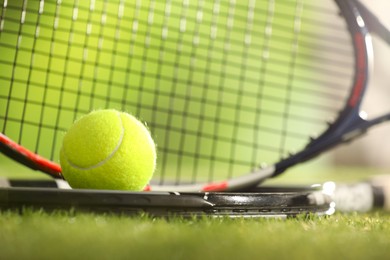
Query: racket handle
{"x": 358, "y": 197}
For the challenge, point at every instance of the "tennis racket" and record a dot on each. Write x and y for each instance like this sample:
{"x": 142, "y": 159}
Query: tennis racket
{"x": 275, "y": 202}
{"x": 263, "y": 201}
{"x": 232, "y": 91}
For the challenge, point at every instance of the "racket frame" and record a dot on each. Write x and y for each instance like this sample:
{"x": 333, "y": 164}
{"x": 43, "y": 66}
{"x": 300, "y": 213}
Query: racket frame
{"x": 275, "y": 202}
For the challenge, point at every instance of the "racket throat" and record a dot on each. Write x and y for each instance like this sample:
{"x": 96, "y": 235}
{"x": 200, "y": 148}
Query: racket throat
{"x": 344, "y": 130}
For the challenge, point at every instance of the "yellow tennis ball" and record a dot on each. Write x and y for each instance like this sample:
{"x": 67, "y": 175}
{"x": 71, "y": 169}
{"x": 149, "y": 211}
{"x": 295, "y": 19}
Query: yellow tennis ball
{"x": 108, "y": 149}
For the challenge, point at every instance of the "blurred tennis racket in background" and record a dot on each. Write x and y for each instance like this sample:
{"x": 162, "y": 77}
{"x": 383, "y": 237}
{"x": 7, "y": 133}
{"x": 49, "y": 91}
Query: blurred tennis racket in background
{"x": 232, "y": 91}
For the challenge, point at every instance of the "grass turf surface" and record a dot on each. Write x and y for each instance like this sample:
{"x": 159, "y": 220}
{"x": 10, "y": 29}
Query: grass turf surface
{"x": 39, "y": 235}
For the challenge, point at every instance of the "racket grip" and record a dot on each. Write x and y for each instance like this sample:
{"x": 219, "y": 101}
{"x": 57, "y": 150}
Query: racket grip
{"x": 358, "y": 197}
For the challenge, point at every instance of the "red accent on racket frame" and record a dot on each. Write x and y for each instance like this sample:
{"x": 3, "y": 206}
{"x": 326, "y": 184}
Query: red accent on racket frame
{"x": 361, "y": 76}
{"x": 218, "y": 186}
{"x": 50, "y": 167}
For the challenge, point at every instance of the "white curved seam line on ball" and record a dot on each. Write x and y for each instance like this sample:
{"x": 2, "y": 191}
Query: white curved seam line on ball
{"x": 105, "y": 159}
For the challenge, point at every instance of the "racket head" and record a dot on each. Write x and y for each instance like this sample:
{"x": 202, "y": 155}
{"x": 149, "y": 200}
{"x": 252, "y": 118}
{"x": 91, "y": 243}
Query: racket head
{"x": 225, "y": 87}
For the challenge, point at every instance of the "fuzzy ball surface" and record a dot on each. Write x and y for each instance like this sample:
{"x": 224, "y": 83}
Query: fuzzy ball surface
{"x": 108, "y": 149}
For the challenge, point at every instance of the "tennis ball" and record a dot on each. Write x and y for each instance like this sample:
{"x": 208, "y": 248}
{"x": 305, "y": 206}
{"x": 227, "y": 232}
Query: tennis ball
{"x": 108, "y": 149}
